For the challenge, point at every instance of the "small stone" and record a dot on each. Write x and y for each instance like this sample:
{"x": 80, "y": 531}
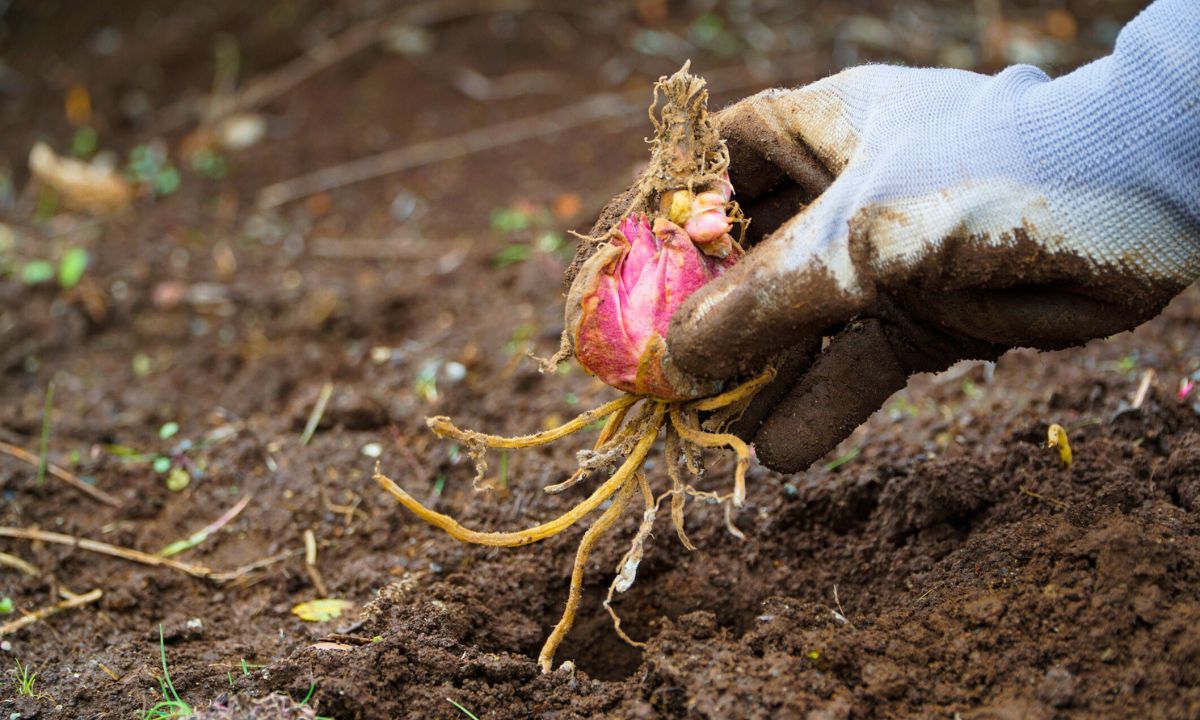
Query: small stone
{"x": 454, "y": 372}
{"x": 1058, "y": 687}
{"x": 240, "y": 131}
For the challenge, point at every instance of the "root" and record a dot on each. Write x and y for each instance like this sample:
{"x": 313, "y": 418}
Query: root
{"x": 621, "y": 443}
{"x": 627, "y": 569}
{"x": 706, "y": 439}
{"x": 611, "y": 426}
{"x": 601, "y": 526}
{"x": 524, "y": 537}
{"x": 693, "y": 455}
{"x": 745, "y": 391}
{"x": 733, "y": 529}
{"x": 547, "y": 366}
{"x": 678, "y": 493}
{"x": 443, "y": 427}
{"x": 627, "y": 437}
{"x": 619, "y": 446}
{"x": 477, "y": 443}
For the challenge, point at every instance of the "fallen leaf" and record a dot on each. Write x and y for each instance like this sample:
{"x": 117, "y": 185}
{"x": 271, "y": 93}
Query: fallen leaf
{"x": 321, "y": 609}
{"x": 567, "y": 205}
{"x": 340, "y": 647}
{"x": 82, "y": 186}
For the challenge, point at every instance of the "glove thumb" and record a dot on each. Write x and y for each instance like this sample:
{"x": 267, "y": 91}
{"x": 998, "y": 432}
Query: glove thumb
{"x": 793, "y": 285}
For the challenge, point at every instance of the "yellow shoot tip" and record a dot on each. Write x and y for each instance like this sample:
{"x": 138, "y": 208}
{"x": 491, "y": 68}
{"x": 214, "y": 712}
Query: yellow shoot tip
{"x": 1056, "y": 436}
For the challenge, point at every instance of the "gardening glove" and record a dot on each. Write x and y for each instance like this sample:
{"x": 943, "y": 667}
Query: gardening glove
{"x": 956, "y": 216}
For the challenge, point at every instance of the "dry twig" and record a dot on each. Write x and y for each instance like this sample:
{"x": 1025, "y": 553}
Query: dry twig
{"x": 43, "y": 613}
{"x": 428, "y": 152}
{"x": 18, "y": 564}
{"x": 1143, "y": 389}
{"x": 207, "y": 531}
{"x": 509, "y": 132}
{"x": 310, "y": 562}
{"x": 103, "y": 548}
{"x": 349, "y": 42}
{"x": 58, "y": 472}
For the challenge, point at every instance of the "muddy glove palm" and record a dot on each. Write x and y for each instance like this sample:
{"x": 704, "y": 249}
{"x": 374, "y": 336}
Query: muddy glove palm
{"x": 958, "y": 215}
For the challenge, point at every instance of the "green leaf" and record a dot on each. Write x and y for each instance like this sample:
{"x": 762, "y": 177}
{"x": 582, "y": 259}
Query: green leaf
{"x": 47, "y": 204}
{"x": 162, "y": 463}
{"x": 551, "y": 242}
{"x": 508, "y": 220}
{"x": 168, "y": 430}
{"x": 178, "y": 479}
{"x": 842, "y": 459}
{"x": 511, "y": 255}
{"x": 167, "y": 181}
{"x": 6, "y": 605}
{"x": 142, "y": 364}
{"x": 124, "y": 451}
{"x": 84, "y": 143}
{"x": 321, "y": 609}
{"x": 462, "y": 709}
{"x": 143, "y": 164}
{"x": 71, "y": 266}
{"x": 209, "y": 164}
{"x": 36, "y": 272}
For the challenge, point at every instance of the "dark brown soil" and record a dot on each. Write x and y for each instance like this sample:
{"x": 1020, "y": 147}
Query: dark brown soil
{"x": 951, "y": 568}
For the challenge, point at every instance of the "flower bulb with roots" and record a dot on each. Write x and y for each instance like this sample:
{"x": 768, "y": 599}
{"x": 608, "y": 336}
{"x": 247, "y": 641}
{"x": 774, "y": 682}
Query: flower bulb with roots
{"x": 675, "y": 236}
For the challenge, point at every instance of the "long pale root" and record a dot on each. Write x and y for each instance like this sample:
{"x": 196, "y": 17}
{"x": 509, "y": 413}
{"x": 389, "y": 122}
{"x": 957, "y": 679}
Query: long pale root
{"x": 707, "y": 439}
{"x": 443, "y": 427}
{"x": 627, "y": 570}
{"x": 678, "y": 494}
{"x": 745, "y": 391}
{"x": 545, "y": 530}
{"x": 606, "y": 433}
{"x": 601, "y": 526}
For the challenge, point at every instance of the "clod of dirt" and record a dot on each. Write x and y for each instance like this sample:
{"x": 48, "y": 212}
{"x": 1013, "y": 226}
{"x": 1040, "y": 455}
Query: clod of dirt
{"x": 241, "y": 707}
{"x": 1183, "y": 472}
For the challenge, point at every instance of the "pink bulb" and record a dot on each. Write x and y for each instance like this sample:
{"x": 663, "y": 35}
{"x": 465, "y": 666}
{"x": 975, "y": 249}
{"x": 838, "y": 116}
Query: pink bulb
{"x": 625, "y": 313}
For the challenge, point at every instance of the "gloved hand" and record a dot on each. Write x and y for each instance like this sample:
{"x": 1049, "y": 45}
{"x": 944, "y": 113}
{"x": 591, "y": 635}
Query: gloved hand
{"x": 958, "y": 216}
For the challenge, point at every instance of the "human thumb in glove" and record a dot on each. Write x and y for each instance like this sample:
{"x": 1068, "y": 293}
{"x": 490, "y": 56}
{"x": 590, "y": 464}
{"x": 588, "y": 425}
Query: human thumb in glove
{"x": 959, "y": 215}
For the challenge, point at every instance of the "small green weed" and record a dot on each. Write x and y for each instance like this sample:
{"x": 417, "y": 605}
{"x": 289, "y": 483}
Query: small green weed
{"x": 465, "y": 711}
{"x": 171, "y": 706}
{"x": 44, "y": 447}
{"x": 529, "y": 228}
{"x": 23, "y": 679}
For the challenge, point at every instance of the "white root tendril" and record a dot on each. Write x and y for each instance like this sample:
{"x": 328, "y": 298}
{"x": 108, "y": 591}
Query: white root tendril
{"x": 629, "y": 564}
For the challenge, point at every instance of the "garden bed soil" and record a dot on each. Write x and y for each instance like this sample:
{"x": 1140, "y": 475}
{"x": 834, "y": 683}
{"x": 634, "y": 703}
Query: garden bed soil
{"x": 940, "y": 563}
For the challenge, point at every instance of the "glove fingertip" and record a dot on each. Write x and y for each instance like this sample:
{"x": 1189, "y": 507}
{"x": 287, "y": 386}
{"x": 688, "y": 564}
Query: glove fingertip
{"x": 708, "y": 334}
{"x": 850, "y": 381}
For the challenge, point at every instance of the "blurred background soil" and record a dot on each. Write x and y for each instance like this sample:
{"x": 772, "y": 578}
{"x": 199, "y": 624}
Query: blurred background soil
{"x": 941, "y": 563}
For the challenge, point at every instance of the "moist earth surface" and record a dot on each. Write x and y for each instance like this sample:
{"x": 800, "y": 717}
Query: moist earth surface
{"x": 940, "y": 563}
